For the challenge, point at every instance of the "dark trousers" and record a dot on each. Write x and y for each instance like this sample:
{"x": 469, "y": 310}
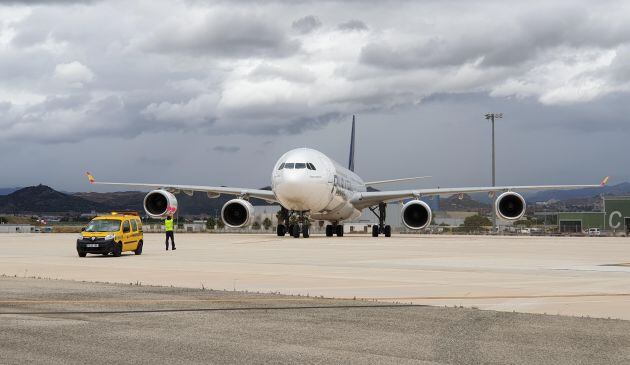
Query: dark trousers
{"x": 169, "y": 234}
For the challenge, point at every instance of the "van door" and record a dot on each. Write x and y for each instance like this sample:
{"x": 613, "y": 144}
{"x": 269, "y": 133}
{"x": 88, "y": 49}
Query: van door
{"x": 127, "y": 235}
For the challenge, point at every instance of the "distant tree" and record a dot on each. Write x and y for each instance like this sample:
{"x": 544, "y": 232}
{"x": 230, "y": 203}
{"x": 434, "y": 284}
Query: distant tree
{"x": 256, "y": 225}
{"x": 476, "y": 223}
{"x": 267, "y": 223}
{"x": 3, "y": 220}
{"x": 220, "y": 224}
{"x": 211, "y": 223}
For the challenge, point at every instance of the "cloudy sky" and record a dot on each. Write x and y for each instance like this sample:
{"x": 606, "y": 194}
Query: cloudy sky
{"x": 203, "y": 92}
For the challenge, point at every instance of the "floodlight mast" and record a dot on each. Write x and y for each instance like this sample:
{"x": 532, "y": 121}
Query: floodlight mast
{"x": 491, "y": 117}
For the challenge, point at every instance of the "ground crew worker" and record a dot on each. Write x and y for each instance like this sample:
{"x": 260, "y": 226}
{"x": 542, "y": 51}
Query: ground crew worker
{"x": 168, "y": 227}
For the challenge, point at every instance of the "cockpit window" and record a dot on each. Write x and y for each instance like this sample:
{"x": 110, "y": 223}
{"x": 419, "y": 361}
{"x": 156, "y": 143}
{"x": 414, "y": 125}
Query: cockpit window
{"x": 288, "y": 165}
{"x": 300, "y": 165}
{"x": 310, "y": 166}
{"x": 281, "y": 166}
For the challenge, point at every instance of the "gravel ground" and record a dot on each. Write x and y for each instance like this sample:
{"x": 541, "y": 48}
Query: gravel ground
{"x": 47, "y": 321}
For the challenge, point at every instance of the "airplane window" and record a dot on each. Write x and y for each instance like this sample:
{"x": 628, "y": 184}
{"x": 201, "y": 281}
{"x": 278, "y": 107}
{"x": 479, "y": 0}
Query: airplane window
{"x": 281, "y": 166}
{"x": 288, "y": 165}
{"x": 310, "y": 166}
{"x": 300, "y": 165}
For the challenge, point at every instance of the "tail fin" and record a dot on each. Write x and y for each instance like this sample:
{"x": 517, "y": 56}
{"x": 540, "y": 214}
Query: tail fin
{"x": 351, "y": 158}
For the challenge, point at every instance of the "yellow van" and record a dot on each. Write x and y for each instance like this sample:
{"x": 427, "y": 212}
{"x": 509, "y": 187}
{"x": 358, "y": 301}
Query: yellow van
{"x": 115, "y": 233}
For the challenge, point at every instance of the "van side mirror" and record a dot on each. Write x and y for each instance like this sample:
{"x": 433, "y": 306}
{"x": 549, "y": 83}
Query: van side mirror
{"x": 83, "y": 229}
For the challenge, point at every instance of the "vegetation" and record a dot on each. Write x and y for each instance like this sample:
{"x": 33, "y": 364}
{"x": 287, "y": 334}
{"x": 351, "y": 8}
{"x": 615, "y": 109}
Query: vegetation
{"x": 475, "y": 223}
{"x": 211, "y": 223}
{"x": 256, "y": 225}
{"x": 220, "y": 224}
{"x": 266, "y": 223}
{"x": 3, "y": 220}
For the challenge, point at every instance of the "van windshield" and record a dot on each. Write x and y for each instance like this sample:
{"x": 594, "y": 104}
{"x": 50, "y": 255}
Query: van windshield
{"x": 103, "y": 225}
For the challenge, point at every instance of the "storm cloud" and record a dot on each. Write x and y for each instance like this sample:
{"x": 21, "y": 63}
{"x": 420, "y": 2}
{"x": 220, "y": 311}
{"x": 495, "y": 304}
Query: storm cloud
{"x": 132, "y": 71}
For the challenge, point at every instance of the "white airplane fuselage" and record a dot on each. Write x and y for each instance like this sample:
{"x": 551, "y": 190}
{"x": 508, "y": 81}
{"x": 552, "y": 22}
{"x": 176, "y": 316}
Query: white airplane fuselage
{"x": 324, "y": 192}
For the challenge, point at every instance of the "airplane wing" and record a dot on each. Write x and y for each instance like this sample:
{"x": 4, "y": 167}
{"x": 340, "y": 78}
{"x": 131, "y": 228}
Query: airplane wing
{"x": 267, "y": 195}
{"x": 370, "y": 183}
{"x": 366, "y": 199}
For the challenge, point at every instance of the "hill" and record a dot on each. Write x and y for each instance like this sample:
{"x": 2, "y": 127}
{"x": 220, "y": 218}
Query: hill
{"x": 613, "y": 190}
{"x": 7, "y": 191}
{"x": 44, "y": 199}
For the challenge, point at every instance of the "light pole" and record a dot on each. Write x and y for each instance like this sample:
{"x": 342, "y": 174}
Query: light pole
{"x": 491, "y": 117}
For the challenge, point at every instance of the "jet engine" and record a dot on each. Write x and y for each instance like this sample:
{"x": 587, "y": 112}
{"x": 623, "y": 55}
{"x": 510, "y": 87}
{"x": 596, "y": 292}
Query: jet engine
{"x": 510, "y": 206}
{"x": 159, "y": 204}
{"x": 416, "y": 214}
{"x": 237, "y": 213}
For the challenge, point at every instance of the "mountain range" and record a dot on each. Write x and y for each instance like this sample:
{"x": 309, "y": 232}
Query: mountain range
{"x": 44, "y": 199}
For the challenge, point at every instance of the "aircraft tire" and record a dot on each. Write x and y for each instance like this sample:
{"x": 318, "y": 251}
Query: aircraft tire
{"x": 388, "y": 231}
{"x": 305, "y": 231}
{"x": 375, "y": 231}
{"x": 339, "y": 229}
{"x": 281, "y": 230}
{"x": 329, "y": 230}
{"x": 296, "y": 231}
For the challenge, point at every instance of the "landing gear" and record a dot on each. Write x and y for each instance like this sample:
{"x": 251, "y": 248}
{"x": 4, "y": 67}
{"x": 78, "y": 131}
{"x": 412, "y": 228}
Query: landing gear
{"x": 329, "y": 230}
{"x": 339, "y": 229}
{"x": 299, "y": 225}
{"x": 386, "y": 230}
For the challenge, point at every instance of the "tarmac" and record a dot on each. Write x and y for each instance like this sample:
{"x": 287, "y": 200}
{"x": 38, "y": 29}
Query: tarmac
{"x": 69, "y": 322}
{"x": 577, "y": 276}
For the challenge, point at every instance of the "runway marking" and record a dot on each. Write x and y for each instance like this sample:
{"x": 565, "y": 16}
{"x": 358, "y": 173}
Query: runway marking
{"x": 125, "y": 301}
{"x": 254, "y": 299}
{"x": 501, "y": 296}
{"x": 217, "y": 309}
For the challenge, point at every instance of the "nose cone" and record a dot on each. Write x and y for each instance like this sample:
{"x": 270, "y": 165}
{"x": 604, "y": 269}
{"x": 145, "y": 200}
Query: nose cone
{"x": 290, "y": 190}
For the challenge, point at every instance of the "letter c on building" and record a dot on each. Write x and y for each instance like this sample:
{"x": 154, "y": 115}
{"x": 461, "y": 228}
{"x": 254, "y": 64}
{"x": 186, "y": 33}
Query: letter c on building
{"x": 610, "y": 220}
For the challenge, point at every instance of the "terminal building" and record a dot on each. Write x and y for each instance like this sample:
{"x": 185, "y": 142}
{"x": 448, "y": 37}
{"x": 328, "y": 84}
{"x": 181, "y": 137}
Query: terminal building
{"x": 614, "y": 218}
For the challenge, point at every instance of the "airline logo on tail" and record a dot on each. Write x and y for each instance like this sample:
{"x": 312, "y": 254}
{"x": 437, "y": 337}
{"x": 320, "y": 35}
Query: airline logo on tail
{"x": 605, "y": 181}
{"x": 90, "y": 177}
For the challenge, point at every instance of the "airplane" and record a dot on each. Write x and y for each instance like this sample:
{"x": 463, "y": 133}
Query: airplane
{"x": 309, "y": 185}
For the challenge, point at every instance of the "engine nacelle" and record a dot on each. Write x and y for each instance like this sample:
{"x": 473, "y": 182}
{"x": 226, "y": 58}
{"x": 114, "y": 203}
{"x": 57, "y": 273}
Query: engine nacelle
{"x": 159, "y": 204}
{"x": 510, "y": 206}
{"x": 237, "y": 213}
{"x": 416, "y": 214}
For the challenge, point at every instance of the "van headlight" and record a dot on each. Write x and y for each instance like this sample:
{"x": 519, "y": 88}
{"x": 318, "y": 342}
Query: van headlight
{"x": 80, "y": 236}
{"x": 110, "y": 237}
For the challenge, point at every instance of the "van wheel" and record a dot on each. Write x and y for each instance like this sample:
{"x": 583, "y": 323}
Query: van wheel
{"x": 138, "y": 250}
{"x": 117, "y": 251}
{"x": 81, "y": 254}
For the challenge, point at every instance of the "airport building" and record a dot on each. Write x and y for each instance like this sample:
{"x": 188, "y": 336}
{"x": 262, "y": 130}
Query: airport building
{"x": 615, "y": 218}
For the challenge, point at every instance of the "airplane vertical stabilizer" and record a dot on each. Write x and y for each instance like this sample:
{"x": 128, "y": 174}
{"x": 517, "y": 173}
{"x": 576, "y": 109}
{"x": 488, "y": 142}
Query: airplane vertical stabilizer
{"x": 351, "y": 158}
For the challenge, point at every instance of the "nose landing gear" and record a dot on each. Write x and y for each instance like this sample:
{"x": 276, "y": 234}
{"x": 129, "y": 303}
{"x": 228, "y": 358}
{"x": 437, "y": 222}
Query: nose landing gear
{"x": 299, "y": 225}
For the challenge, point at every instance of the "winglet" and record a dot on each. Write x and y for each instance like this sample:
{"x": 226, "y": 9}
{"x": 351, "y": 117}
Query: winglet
{"x": 90, "y": 177}
{"x": 605, "y": 181}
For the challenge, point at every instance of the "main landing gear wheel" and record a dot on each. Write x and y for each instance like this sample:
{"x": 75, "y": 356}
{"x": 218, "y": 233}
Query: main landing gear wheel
{"x": 296, "y": 231}
{"x": 329, "y": 230}
{"x": 375, "y": 231}
{"x": 281, "y": 230}
{"x": 388, "y": 231}
{"x": 305, "y": 231}
{"x": 339, "y": 229}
